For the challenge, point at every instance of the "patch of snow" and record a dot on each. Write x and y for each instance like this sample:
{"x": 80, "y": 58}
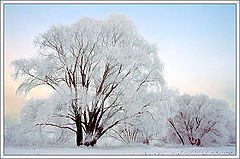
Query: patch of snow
{"x": 130, "y": 149}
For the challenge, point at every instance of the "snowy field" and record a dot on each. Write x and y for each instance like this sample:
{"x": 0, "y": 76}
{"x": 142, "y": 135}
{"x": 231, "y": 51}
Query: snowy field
{"x": 123, "y": 150}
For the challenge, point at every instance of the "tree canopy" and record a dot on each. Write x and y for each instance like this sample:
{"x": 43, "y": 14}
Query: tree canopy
{"x": 101, "y": 66}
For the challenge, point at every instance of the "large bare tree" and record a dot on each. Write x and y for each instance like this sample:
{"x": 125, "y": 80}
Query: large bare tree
{"x": 100, "y": 66}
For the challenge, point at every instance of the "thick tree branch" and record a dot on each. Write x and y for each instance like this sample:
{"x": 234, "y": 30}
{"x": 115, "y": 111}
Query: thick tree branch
{"x": 59, "y": 126}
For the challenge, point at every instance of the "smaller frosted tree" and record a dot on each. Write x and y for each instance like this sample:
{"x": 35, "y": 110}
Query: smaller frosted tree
{"x": 198, "y": 120}
{"x": 34, "y": 111}
{"x": 150, "y": 125}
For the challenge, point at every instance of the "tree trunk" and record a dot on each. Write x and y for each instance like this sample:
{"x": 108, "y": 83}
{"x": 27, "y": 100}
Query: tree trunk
{"x": 92, "y": 142}
{"x": 79, "y": 134}
{"x": 92, "y": 138}
{"x": 180, "y": 137}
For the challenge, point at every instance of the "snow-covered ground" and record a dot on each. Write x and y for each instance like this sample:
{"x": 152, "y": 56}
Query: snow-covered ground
{"x": 123, "y": 150}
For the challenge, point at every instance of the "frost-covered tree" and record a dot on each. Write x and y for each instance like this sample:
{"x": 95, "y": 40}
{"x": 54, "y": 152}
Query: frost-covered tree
{"x": 34, "y": 111}
{"x": 99, "y": 68}
{"x": 149, "y": 127}
{"x": 199, "y": 120}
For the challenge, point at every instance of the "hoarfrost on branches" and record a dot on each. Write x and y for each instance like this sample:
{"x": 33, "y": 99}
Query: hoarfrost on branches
{"x": 101, "y": 68}
{"x": 108, "y": 82}
{"x": 199, "y": 120}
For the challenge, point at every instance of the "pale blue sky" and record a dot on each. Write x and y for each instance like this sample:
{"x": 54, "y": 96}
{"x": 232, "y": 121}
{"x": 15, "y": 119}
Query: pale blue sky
{"x": 196, "y": 42}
